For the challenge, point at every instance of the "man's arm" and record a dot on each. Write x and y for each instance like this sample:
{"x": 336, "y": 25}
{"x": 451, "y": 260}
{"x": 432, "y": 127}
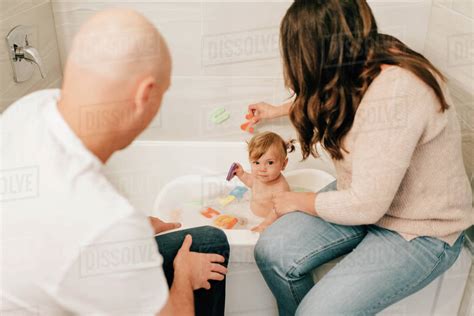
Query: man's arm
{"x": 112, "y": 285}
{"x": 181, "y": 299}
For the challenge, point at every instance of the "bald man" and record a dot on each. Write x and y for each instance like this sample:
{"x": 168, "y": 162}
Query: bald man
{"x": 70, "y": 242}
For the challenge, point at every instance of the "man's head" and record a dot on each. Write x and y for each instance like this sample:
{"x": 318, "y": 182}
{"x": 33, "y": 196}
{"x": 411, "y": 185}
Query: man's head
{"x": 117, "y": 71}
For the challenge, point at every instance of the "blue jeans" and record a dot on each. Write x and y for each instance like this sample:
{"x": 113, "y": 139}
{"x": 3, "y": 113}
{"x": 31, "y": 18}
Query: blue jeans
{"x": 380, "y": 269}
{"x": 206, "y": 239}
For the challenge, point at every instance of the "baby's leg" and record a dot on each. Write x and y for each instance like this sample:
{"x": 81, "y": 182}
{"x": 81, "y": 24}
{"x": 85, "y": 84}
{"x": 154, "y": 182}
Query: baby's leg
{"x": 269, "y": 219}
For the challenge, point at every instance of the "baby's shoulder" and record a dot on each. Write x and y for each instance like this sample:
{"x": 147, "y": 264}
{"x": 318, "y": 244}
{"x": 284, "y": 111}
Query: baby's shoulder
{"x": 282, "y": 184}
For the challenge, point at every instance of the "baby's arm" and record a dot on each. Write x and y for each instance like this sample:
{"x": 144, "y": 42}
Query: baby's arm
{"x": 243, "y": 176}
{"x": 269, "y": 219}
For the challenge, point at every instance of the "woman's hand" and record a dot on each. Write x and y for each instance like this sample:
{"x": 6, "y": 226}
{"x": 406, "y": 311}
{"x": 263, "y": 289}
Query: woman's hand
{"x": 263, "y": 110}
{"x": 159, "y": 226}
{"x": 287, "y": 202}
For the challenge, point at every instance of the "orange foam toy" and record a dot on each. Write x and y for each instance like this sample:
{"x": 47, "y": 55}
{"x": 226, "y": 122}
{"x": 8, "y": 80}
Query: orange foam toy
{"x": 226, "y": 221}
{"x": 249, "y": 115}
{"x": 247, "y": 127}
{"x": 209, "y": 212}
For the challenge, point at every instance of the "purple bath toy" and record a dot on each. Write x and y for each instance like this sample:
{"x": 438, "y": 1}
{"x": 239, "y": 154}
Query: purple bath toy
{"x": 231, "y": 173}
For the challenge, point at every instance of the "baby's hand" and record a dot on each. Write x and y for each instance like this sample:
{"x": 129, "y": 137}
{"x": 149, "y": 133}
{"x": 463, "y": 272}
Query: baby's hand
{"x": 266, "y": 222}
{"x": 238, "y": 171}
{"x": 259, "y": 228}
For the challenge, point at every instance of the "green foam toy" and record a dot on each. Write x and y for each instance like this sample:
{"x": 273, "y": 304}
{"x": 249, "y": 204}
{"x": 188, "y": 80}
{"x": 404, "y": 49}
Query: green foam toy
{"x": 219, "y": 115}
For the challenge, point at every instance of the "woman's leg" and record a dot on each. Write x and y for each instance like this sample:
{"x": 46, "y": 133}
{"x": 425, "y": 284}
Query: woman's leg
{"x": 293, "y": 246}
{"x": 383, "y": 269}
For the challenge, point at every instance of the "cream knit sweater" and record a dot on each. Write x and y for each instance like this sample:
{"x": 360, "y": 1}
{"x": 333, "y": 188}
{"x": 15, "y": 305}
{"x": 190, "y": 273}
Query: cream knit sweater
{"x": 404, "y": 170}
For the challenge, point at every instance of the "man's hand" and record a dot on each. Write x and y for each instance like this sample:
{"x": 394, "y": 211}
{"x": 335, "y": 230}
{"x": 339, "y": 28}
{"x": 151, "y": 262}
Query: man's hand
{"x": 159, "y": 226}
{"x": 287, "y": 202}
{"x": 198, "y": 268}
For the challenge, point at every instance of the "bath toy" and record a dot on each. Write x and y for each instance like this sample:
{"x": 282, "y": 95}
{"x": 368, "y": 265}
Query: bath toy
{"x": 217, "y": 111}
{"x": 248, "y": 126}
{"x": 226, "y": 221}
{"x": 238, "y": 192}
{"x": 249, "y": 115}
{"x": 195, "y": 202}
{"x": 209, "y": 212}
{"x": 231, "y": 174}
{"x": 299, "y": 189}
{"x": 219, "y": 115}
{"x": 226, "y": 200}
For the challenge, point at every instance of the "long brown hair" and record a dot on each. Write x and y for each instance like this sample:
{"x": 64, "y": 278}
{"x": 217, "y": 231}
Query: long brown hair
{"x": 332, "y": 52}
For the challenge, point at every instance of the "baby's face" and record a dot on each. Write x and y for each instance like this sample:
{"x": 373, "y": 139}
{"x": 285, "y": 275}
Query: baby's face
{"x": 268, "y": 167}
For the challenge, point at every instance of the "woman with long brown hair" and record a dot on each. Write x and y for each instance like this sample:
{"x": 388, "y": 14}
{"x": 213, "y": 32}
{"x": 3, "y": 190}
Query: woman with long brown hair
{"x": 402, "y": 198}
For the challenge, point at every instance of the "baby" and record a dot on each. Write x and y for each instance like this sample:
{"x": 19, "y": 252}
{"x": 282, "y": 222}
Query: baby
{"x": 268, "y": 158}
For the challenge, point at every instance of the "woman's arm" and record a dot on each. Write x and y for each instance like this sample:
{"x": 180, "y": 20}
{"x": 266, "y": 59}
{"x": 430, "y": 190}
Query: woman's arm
{"x": 287, "y": 202}
{"x": 284, "y": 109}
{"x": 381, "y": 155}
{"x": 267, "y": 111}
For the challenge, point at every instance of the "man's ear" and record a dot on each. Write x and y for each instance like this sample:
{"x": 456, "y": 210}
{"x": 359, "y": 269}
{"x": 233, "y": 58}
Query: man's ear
{"x": 144, "y": 93}
{"x": 285, "y": 163}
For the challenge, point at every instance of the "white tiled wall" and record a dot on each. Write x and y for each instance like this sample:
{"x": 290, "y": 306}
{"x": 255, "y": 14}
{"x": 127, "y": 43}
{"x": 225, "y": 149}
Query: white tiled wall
{"x": 38, "y": 15}
{"x": 450, "y": 46}
{"x": 206, "y": 75}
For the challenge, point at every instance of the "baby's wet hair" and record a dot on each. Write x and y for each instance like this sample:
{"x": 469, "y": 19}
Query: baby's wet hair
{"x": 261, "y": 143}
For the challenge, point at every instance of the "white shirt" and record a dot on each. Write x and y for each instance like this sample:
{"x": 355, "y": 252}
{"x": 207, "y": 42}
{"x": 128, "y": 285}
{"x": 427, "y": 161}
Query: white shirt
{"x": 70, "y": 242}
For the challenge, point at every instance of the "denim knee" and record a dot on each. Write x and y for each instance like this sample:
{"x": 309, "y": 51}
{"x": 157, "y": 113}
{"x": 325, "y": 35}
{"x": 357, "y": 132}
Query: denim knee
{"x": 211, "y": 240}
{"x": 218, "y": 236}
{"x": 268, "y": 256}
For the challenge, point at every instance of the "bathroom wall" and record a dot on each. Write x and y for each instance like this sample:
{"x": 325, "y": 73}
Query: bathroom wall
{"x": 226, "y": 54}
{"x": 450, "y": 46}
{"x": 38, "y": 15}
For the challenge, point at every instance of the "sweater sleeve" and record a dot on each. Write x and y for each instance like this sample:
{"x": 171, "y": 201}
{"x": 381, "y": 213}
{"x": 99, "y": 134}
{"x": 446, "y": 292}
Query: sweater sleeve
{"x": 387, "y": 131}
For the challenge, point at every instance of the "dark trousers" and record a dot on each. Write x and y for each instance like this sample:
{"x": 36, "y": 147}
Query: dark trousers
{"x": 206, "y": 239}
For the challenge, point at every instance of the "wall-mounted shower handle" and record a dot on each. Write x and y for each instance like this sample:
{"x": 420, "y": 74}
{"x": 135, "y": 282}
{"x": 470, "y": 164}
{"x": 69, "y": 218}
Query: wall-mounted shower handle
{"x": 30, "y": 54}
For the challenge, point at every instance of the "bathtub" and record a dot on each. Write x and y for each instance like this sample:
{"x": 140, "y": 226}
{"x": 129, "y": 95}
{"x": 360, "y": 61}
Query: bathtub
{"x": 146, "y": 168}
